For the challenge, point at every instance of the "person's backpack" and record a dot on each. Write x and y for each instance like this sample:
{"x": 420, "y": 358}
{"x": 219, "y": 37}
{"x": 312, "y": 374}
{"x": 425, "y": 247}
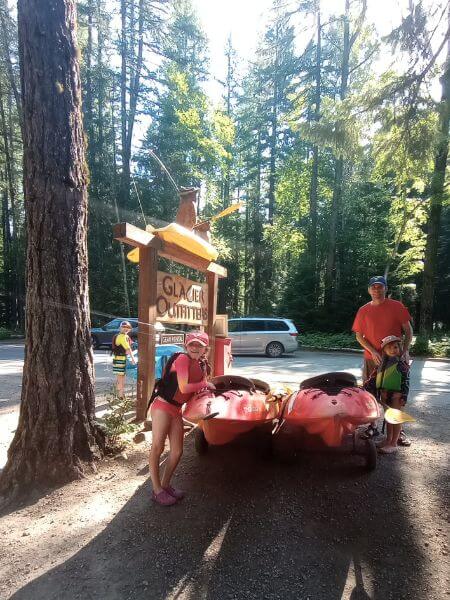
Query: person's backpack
{"x": 165, "y": 383}
{"x": 117, "y": 349}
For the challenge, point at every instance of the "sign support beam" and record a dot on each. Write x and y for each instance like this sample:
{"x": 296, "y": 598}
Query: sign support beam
{"x": 148, "y": 268}
{"x": 212, "y": 280}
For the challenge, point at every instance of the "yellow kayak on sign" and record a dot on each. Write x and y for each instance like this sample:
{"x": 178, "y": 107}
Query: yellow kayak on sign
{"x": 183, "y": 238}
{"x": 397, "y": 417}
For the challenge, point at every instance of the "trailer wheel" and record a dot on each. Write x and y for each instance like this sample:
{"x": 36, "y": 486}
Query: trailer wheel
{"x": 200, "y": 443}
{"x": 371, "y": 455}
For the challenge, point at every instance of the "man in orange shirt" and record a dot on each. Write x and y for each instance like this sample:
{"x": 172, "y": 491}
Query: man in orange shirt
{"x": 378, "y": 319}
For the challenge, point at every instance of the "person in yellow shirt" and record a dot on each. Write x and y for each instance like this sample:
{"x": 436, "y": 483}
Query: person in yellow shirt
{"x": 121, "y": 346}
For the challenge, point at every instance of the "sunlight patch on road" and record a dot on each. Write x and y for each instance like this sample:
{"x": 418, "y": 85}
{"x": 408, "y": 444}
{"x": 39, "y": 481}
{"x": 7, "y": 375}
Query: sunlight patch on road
{"x": 358, "y": 582}
{"x": 196, "y": 585}
{"x": 11, "y": 367}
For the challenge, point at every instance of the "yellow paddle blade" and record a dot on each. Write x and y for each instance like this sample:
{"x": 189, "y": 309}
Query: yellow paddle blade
{"x": 396, "y": 417}
{"x": 228, "y": 211}
{"x": 133, "y": 255}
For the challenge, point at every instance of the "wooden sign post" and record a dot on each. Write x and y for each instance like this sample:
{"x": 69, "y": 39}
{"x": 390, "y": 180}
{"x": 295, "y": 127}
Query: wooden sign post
{"x": 159, "y": 299}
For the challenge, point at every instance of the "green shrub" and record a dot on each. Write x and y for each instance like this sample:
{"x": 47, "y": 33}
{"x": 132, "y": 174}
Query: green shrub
{"x": 5, "y": 334}
{"x": 420, "y": 346}
{"x": 328, "y": 340}
{"x": 115, "y": 421}
{"x": 8, "y": 334}
{"x": 436, "y": 348}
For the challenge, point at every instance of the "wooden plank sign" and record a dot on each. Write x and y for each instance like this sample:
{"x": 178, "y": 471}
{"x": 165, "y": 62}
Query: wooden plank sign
{"x": 171, "y": 338}
{"x": 180, "y": 300}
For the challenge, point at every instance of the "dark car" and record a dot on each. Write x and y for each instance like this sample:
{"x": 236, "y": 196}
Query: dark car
{"x": 102, "y": 336}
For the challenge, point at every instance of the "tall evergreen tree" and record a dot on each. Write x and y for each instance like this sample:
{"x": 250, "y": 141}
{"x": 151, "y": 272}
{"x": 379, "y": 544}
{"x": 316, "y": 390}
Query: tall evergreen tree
{"x": 56, "y": 430}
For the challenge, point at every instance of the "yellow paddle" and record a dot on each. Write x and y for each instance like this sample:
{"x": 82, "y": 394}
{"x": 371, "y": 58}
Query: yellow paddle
{"x": 397, "y": 417}
{"x": 227, "y": 211}
{"x": 133, "y": 255}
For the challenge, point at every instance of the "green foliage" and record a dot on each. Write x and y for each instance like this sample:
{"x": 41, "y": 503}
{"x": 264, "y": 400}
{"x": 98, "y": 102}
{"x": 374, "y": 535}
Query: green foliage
{"x": 403, "y": 147}
{"x": 116, "y": 421}
{"x": 339, "y": 129}
{"x": 7, "y": 334}
{"x": 327, "y": 340}
{"x": 437, "y": 347}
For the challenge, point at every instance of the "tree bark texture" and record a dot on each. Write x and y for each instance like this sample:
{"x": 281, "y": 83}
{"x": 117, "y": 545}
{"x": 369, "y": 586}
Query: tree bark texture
{"x": 56, "y": 430}
{"x": 436, "y": 198}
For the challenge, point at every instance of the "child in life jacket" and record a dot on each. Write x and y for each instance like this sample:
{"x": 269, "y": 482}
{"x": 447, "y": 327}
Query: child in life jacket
{"x": 186, "y": 376}
{"x": 389, "y": 383}
{"x": 121, "y": 346}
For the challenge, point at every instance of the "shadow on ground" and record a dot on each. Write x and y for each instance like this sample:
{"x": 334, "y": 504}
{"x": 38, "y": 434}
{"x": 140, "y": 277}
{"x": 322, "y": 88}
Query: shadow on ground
{"x": 318, "y": 529}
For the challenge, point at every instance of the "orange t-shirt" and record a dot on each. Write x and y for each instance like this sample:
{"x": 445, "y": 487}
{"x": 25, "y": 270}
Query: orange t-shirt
{"x": 375, "y": 322}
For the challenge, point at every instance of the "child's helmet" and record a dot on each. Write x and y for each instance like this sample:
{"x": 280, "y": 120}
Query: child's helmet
{"x": 389, "y": 339}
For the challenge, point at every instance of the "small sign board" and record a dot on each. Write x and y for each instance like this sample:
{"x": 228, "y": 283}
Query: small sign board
{"x": 171, "y": 338}
{"x": 180, "y": 300}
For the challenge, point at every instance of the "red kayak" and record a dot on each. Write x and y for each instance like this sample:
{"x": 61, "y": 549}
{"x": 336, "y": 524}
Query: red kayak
{"x": 326, "y": 408}
{"x": 237, "y": 406}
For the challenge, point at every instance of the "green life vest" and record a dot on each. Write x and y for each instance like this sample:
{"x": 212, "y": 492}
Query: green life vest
{"x": 389, "y": 377}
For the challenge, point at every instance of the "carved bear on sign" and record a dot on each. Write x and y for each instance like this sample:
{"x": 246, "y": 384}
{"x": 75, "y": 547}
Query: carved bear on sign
{"x": 187, "y": 209}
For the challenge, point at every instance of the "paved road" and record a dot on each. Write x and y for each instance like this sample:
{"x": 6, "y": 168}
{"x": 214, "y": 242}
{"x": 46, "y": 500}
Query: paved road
{"x": 430, "y": 380}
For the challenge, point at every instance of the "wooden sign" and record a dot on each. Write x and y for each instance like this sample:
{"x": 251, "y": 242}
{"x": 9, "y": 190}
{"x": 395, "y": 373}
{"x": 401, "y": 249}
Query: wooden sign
{"x": 180, "y": 300}
{"x": 171, "y": 338}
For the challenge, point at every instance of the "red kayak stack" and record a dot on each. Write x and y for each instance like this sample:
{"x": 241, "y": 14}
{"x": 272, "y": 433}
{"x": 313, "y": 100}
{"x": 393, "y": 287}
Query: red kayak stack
{"x": 237, "y": 407}
{"x": 324, "y": 412}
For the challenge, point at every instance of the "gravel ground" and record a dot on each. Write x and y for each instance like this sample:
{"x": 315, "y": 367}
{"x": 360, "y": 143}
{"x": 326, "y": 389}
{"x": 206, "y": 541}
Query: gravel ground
{"x": 320, "y": 529}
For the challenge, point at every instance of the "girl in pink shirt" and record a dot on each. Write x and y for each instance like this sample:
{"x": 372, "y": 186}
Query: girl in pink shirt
{"x": 187, "y": 375}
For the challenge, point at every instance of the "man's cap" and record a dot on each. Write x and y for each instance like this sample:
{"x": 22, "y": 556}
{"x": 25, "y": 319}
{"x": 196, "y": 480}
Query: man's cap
{"x": 378, "y": 279}
{"x": 126, "y": 324}
{"x": 197, "y": 336}
{"x": 389, "y": 339}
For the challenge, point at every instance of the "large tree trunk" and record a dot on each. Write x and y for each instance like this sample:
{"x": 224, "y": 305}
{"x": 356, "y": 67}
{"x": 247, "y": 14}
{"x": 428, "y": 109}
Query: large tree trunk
{"x": 56, "y": 430}
{"x": 436, "y": 197}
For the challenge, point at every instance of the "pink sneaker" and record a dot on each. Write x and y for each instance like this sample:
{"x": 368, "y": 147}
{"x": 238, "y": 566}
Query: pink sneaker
{"x": 163, "y": 498}
{"x": 175, "y": 493}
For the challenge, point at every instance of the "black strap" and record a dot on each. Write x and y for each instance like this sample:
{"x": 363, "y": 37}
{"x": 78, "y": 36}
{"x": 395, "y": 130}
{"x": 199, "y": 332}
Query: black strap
{"x": 118, "y": 350}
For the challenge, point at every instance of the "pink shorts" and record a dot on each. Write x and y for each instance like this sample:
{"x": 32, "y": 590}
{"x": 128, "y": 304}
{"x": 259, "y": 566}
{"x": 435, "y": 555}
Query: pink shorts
{"x": 160, "y": 404}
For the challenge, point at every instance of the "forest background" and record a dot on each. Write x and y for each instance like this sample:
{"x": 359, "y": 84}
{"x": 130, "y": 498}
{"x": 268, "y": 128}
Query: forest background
{"x": 341, "y": 164}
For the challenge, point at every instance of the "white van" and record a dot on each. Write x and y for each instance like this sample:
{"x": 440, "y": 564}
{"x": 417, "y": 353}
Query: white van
{"x": 262, "y": 335}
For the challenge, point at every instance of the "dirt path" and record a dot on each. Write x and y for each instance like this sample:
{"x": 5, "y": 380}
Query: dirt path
{"x": 321, "y": 529}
